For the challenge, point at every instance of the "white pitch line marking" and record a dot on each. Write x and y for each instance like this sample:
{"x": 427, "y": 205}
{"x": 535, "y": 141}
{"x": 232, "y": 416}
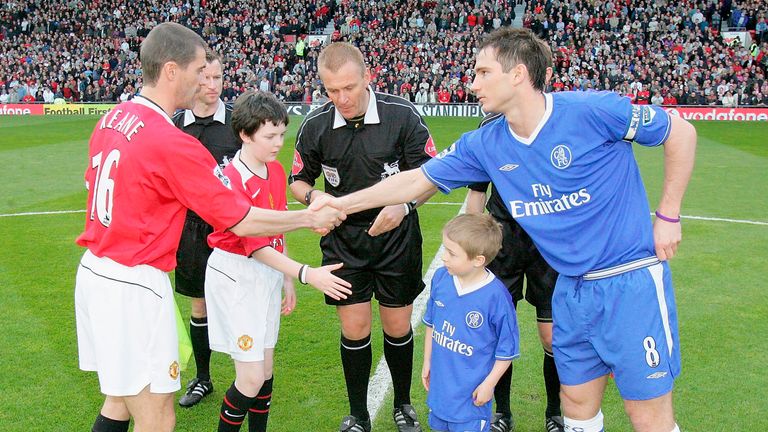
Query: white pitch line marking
{"x": 703, "y": 218}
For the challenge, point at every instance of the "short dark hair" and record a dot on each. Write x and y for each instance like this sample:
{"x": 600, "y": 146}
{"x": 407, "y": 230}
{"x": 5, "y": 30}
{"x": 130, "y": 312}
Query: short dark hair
{"x": 212, "y": 56}
{"x": 476, "y": 233}
{"x": 168, "y": 42}
{"x": 253, "y": 109}
{"x": 514, "y": 46}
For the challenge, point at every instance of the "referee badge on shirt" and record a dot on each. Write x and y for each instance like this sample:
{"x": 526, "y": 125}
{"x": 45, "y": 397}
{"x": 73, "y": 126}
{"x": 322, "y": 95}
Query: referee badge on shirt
{"x": 245, "y": 342}
{"x": 331, "y": 175}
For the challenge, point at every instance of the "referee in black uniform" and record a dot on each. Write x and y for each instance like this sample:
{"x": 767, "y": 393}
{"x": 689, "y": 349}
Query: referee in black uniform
{"x": 357, "y": 139}
{"x": 519, "y": 260}
{"x": 208, "y": 121}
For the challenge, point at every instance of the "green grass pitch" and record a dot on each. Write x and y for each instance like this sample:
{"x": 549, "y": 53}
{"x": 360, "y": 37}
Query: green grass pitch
{"x": 719, "y": 276}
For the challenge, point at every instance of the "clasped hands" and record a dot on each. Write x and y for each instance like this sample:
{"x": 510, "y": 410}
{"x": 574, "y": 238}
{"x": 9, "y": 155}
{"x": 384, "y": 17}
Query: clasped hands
{"x": 327, "y": 213}
{"x": 389, "y": 217}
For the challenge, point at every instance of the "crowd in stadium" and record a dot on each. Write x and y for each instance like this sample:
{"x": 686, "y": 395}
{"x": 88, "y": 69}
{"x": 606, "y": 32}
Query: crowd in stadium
{"x": 654, "y": 51}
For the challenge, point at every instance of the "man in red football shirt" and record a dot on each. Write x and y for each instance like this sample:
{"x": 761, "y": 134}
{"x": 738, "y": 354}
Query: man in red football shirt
{"x": 143, "y": 173}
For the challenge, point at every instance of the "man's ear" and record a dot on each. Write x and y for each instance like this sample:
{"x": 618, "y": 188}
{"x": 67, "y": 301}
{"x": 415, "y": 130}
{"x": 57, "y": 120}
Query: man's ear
{"x": 170, "y": 70}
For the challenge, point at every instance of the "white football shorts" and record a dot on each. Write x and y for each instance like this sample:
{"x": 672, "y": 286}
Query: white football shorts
{"x": 243, "y": 298}
{"x": 126, "y": 326}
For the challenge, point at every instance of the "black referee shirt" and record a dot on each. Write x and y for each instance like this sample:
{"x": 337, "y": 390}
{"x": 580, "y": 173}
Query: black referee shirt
{"x": 354, "y": 155}
{"x": 214, "y": 132}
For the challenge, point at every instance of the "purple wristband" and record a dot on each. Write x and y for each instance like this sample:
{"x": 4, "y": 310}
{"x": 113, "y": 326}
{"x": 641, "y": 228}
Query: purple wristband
{"x": 667, "y": 218}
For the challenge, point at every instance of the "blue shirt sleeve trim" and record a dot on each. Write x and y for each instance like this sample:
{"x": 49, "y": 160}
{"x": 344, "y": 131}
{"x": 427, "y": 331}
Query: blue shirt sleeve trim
{"x": 443, "y": 188}
{"x": 666, "y": 132}
{"x": 507, "y": 357}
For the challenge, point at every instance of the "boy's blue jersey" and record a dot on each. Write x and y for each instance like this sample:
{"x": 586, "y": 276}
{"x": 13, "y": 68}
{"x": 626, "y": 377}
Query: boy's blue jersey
{"x": 574, "y": 185}
{"x": 470, "y": 332}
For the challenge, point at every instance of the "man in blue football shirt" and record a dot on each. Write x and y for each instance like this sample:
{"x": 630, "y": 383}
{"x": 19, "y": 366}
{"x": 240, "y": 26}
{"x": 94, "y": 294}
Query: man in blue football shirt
{"x": 471, "y": 336}
{"x": 564, "y": 166}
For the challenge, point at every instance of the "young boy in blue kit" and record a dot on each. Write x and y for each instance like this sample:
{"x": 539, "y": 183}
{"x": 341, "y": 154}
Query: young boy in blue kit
{"x": 471, "y": 336}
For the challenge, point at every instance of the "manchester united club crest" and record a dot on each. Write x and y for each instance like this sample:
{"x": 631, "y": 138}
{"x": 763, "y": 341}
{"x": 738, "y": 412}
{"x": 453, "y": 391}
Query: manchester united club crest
{"x": 245, "y": 342}
{"x": 173, "y": 370}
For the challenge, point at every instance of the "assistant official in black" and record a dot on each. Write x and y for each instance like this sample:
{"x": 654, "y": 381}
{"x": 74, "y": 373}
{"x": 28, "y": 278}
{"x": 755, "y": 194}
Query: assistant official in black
{"x": 519, "y": 263}
{"x": 210, "y": 122}
{"x": 355, "y": 141}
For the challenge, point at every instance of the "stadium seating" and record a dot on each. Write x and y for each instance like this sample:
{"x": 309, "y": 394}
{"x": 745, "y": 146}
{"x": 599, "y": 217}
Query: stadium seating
{"x": 670, "y": 52}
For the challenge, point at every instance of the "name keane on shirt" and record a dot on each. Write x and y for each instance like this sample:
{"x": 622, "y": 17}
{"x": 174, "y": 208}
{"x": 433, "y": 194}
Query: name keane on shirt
{"x": 128, "y": 124}
{"x": 445, "y": 340}
{"x": 546, "y": 203}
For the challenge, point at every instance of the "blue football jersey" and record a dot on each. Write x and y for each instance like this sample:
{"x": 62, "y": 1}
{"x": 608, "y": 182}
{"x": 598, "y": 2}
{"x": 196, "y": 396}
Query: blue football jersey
{"x": 574, "y": 184}
{"x": 470, "y": 332}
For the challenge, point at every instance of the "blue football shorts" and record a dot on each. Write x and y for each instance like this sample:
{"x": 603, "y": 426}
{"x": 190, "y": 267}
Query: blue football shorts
{"x": 438, "y": 424}
{"x": 623, "y": 321}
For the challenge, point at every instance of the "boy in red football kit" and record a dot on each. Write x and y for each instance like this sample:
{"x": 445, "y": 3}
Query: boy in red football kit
{"x": 245, "y": 274}
{"x": 142, "y": 175}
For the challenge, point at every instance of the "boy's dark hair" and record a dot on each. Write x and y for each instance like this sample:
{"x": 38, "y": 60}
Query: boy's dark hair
{"x": 514, "y": 46}
{"x": 253, "y": 109}
{"x": 477, "y": 234}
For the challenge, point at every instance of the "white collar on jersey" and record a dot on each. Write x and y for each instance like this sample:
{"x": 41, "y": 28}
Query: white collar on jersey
{"x": 371, "y": 113}
{"x": 141, "y": 100}
{"x": 220, "y": 115}
{"x": 547, "y": 114}
{"x": 460, "y": 290}
{"x": 245, "y": 172}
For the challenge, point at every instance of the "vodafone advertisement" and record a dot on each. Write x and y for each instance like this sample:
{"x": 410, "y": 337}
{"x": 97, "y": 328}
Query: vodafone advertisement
{"x": 21, "y": 109}
{"x": 430, "y": 110}
{"x": 720, "y": 113}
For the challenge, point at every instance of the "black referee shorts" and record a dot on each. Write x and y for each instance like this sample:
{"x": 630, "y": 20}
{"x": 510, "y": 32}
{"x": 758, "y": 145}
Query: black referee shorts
{"x": 387, "y": 266}
{"x": 192, "y": 257}
{"x": 519, "y": 260}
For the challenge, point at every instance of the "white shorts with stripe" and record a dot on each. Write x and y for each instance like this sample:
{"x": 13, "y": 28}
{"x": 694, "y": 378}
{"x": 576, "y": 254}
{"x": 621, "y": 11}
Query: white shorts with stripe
{"x": 243, "y": 298}
{"x": 126, "y": 326}
{"x": 621, "y": 320}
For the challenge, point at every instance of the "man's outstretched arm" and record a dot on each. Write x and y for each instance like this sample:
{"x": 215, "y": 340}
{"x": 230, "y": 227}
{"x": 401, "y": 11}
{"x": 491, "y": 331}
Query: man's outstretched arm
{"x": 262, "y": 222}
{"x": 403, "y": 187}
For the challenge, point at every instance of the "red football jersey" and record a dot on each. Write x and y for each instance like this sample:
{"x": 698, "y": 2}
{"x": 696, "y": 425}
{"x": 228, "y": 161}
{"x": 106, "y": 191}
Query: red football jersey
{"x": 266, "y": 193}
{"x": 143, "y": 174}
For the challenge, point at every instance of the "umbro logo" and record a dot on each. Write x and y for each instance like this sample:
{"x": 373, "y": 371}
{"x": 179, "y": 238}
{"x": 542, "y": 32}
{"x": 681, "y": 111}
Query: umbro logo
{"x": 656, "y": 375}
{"x": 439, "y": 303}
{"x": 508, "y": 167}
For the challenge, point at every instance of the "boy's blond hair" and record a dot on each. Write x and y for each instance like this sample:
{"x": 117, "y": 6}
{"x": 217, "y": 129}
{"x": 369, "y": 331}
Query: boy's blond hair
{"x": 476, "y": 234}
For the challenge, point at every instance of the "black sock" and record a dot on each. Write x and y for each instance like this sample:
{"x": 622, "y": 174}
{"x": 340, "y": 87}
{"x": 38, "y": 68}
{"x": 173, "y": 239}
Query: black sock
{"x": 502, "y": 392}
{"x": 356, "y": 358}
{"x": 399, "y": 355}
{"x": 106, "y": 424}
{"x": 234, "y": 407}
{"x": 552, "y": 385}
{"x": 198, "y": 332}
{"x": 259, "y": 412}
